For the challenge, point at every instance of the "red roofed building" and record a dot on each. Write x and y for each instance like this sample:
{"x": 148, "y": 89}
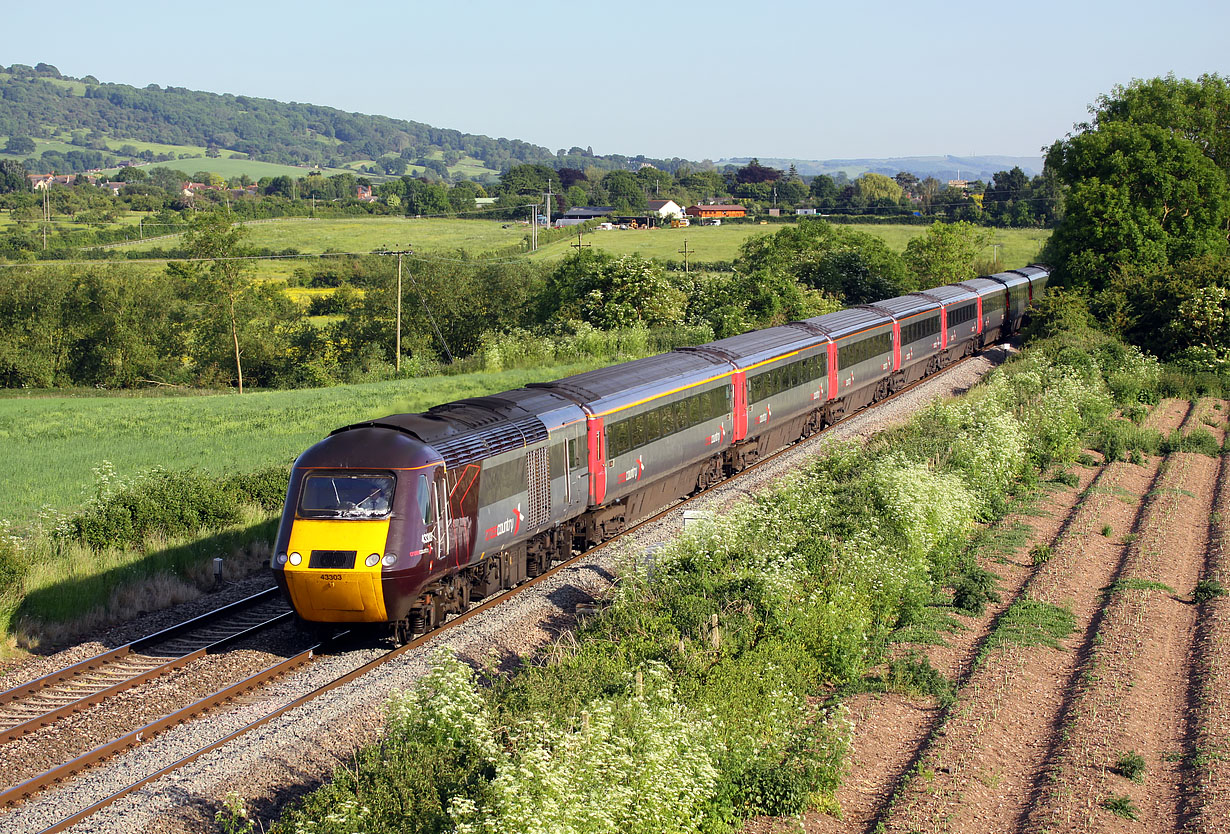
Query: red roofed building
{"x": 719, "y": 210}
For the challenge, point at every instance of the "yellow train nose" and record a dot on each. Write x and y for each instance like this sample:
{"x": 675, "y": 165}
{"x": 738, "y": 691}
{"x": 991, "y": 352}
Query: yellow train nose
{"x": 331, "y": 584}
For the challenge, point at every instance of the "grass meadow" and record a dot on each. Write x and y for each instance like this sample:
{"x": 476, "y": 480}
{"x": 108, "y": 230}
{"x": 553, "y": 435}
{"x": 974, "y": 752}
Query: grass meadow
{"x": 1015, "y": 247}
{"x": 53, "y": 443}
{"x": 363, "y": 234}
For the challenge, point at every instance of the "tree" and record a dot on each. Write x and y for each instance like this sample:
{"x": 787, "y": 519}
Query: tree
{"x": 754, "y": 172}
{"x": 946, "y": 253}
{"x": 21, "y": 145}
{"x": 12, "y": 176}
{"x": 872, "y": 187}
{"x": 855, "y": 267}
{"x": 824, "y": 190}
{"x": 226, "y": 280}
{"x": 906, "y": 180}
{"x": 1199, "y": 110}
{"x": 610, "y": 292}
{"x": 1140, "y": 196}
{"x": 129, "y": 174}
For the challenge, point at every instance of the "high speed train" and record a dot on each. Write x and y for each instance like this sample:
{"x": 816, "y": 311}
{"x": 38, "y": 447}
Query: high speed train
{"x": 402, "y": 520}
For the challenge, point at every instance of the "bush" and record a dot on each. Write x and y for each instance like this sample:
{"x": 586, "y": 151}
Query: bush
{"x": 1131, "y": 765}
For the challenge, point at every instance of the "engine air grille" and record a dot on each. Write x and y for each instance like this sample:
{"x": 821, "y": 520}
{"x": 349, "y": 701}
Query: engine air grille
{"x": 332, "y": 559}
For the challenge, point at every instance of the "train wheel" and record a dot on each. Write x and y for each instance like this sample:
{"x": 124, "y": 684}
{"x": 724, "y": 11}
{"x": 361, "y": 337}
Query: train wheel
{"x": 403, "y": 633}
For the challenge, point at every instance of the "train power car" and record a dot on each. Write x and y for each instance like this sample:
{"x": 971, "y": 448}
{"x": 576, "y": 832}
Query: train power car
{"x": 400, "y": 521}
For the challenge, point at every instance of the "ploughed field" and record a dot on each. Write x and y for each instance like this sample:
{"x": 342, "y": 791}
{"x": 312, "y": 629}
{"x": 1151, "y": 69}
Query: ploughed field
{"x": 1093, "y": 695}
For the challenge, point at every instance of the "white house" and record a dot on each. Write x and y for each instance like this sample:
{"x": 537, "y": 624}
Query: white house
{"x": 666, "y": 209}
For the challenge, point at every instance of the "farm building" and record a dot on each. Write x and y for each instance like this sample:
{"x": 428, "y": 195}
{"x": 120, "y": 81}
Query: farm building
{"x": 718, "y": 210}
{"x": 666, "y": 208}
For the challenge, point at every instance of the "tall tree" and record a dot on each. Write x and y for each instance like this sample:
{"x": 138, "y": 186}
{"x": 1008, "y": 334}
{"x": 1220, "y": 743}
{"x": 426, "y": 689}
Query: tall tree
{"x": 946, "y": 253}
{"x": 214, "y": 242}
{"x": 1140, "y": 196}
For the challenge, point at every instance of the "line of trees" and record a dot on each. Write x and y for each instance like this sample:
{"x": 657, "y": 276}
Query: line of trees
{"x": 208, "y": 322}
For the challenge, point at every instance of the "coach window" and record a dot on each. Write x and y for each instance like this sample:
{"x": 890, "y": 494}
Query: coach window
{"x": 668, "y": 419}
{"x": 637, "y": 435}
{"x": 653, "y": 427}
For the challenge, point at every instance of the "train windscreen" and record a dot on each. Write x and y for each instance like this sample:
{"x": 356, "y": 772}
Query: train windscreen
{"x": 346, "y": 496}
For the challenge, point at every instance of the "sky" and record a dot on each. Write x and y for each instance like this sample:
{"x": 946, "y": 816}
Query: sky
{"x": 699, "y": 80}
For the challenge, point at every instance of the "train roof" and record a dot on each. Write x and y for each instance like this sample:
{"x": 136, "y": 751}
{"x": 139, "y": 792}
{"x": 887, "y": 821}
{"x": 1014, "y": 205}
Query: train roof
{"x": 369, "y": 447}
{"x": 847, "y": 322}
{"x": 618, "y": 386}
{"x": 904, "y": 306}
{"x": 479, "y": 427}
{"x": 1011, "y": 279}
{"x": 758, "y": 346}
{"x": 950, "y": 294}
{"x": 982, "y": 286}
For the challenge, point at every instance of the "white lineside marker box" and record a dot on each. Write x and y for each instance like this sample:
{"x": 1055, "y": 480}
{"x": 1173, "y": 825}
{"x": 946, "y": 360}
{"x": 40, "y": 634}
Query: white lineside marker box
{"x": 691, "y": 517}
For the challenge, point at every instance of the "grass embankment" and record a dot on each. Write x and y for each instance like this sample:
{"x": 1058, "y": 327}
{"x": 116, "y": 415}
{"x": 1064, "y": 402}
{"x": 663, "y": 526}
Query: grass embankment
{"x": 694, "y": 701}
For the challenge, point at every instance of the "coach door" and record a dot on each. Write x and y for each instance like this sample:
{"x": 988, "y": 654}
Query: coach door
{"x": 445, "y": 540}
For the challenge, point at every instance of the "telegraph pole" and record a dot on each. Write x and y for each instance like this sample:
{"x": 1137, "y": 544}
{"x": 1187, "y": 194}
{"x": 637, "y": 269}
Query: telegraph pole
{"x": 579, "y": 245}
{"x": 397, "y": 343}
{"x": 685, "y": 252}
{"x": 549, "y": 195}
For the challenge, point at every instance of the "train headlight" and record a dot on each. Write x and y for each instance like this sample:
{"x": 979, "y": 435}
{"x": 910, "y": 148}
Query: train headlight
{"x": 372, "y": 561}
{"x": 389, "y": 559}
{"x": 280, "y": 559}
{"x": 296, "y": 559}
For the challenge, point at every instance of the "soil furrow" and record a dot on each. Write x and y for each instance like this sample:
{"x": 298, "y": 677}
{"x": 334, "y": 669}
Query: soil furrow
{"x": 1207, "y": 806}
{"x": 1132, "y": 698}
{"x": 978, "y": 772}
{"x": 891, "y": 729}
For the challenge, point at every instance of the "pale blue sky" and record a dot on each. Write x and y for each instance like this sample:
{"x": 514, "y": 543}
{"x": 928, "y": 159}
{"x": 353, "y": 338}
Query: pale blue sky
{"x": 693, "y": 79}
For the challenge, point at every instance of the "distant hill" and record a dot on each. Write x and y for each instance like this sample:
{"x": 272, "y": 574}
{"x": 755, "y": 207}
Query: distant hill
{"x": 943, "y": 168}
{"x": 72, "y": 117}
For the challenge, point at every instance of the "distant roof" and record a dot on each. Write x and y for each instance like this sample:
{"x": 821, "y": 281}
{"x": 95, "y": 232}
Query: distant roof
{"x": 655, "y": 205}
{"x": 721, "y": 207}
{"x": 589, "y": 211}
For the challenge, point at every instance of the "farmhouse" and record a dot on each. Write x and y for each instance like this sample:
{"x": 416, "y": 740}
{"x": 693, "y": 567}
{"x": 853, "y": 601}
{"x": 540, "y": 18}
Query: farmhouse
{"x": 717, "y": 210}
{"x": 41, "y": 181}
{"x": 666, "y": 208}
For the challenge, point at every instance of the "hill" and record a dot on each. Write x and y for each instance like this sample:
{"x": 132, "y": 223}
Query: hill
{"x": 77, "y": 124}
{"x": 941, "y": 167}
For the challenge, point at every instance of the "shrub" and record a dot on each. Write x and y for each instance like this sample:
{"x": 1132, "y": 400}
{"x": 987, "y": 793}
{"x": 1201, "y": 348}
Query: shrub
{"x": 160, "y": 502}
{"x": 1122, "y": 806}
{"x": 1131, "y": 765}
{"x": 1039, "y": 554}
{"x": 1207, "y": 589}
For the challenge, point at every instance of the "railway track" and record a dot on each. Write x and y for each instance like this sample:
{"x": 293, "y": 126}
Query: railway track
{"x": 100, "y": 754}
{"x": 30, "y": 707}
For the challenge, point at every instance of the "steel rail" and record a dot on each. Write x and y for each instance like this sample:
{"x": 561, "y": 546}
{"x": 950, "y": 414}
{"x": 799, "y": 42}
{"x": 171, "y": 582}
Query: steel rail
{"x": 48, "y": 683}
{"x": 132, "y": 739}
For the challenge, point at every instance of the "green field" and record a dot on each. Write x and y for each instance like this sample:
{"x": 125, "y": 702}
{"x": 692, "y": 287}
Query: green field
{"x": 52, "y": 443}
{"x": 1016, "y": 247}
{"x": 363, "y": 234}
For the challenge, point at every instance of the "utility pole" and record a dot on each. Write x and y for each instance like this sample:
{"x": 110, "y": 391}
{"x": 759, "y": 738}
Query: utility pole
{"x": 46, "y": 209}
{"x": 534, "y": 227}
{"x": 549, "y": 195}
{"x": 685, "y": 252}
{"x": 397, "y": 342}
{"x": 579, "y": 245}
